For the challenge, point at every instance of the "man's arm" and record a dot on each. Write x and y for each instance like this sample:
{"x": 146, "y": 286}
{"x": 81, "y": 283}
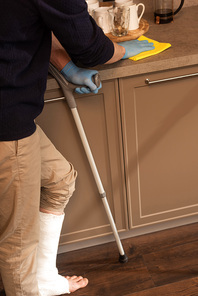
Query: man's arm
{"x": 62, "y": 61}
{"x": 119, "y": 52}
{"x": 59, "y": 57}
{"x": 83, "y": 40}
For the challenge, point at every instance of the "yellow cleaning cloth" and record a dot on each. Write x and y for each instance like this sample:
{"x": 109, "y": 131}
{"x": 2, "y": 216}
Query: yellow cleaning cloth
{"x": 159, "y": 47}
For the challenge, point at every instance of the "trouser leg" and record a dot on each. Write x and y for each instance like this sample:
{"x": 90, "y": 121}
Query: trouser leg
{"x": 57, "y": 177}
{"x": 19, "y": 215}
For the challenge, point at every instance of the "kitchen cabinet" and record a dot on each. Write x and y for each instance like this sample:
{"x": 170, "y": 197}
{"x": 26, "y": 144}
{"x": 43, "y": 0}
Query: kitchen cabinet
{"x": 144, "y": 139}
{"x": 160, "y": 138}
{"x": 85, "y": 214}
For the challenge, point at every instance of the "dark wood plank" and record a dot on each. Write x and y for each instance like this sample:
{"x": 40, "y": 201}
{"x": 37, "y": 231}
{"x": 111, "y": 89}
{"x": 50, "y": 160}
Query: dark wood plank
{"x": 183, "y": 288}
{"x": 107, "y": 276}
{"x": 162, "y": 240}
{"x": 173, "y": 264}
{"x": 111, "y": 279}
{"x": 1, "y": 287}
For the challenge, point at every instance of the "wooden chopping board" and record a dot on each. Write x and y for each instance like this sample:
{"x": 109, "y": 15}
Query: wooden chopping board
{"x": 134, "y": 34}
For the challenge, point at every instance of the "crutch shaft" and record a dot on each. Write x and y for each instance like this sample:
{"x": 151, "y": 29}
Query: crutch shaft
{"x": 123, "y": 257}
{"x": 87, "y": 150}
{"x": 113, "y": 227}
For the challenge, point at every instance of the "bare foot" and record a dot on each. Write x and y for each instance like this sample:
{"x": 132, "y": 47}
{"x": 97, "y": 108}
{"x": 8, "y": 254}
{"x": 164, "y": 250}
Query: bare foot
{"x": 76, "y": 282}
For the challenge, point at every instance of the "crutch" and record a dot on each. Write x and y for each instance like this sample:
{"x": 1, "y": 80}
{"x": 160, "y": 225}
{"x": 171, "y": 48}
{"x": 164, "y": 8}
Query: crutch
{"x": 68, "y": 89}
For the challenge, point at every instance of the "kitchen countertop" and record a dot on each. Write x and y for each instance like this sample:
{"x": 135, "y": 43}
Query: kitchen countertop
{"x": 181, "y": 34}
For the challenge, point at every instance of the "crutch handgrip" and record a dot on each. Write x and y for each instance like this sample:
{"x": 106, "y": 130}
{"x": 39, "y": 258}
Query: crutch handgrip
{"x": 96, "y": 79}
{"x": 68, "y": 87}
{"x": 65, "y": 85}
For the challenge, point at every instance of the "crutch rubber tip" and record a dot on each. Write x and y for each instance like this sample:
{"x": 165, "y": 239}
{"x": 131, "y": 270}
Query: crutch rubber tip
{"x": 123, "y": 258}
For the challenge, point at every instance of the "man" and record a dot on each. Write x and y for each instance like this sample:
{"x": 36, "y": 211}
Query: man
{"x": 33, "y": 174}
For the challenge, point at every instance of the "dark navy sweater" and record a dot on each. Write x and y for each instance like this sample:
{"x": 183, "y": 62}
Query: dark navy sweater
{"x": 25, "y": 44}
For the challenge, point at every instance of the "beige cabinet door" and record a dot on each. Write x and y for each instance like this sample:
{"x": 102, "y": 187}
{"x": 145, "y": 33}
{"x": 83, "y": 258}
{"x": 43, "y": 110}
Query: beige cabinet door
{"x": 85, "y": 214}
{"x": 160, "y": 130}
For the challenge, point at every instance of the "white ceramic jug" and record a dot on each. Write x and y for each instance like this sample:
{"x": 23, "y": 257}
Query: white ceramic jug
{"x": 101, "y": 17}
{"x": 134, "y": 18}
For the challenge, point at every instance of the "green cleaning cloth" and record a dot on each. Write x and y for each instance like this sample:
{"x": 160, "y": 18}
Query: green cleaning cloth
{"x": 159, "y": 47}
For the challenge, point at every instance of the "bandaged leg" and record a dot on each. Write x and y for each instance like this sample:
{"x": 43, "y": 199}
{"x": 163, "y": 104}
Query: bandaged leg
{"x": 49, "y": 281}
{"x": 57, "y": 186}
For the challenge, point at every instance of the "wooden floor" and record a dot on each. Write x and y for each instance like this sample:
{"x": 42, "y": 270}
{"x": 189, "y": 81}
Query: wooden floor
{"x": 162, "y": 263}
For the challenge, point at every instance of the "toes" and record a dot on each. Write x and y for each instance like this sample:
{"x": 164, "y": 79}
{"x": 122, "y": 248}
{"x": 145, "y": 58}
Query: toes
{"x": 74, "y": 277}
{"x": 85, "y": 282}
{"x": 82, "y": 281}
{"x": 77, "y": 282}
{"x": 79, "y": 278}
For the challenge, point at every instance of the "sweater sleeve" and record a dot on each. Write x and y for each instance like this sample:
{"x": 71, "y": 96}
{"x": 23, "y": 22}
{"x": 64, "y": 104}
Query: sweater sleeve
{"x": 76, "y": 30}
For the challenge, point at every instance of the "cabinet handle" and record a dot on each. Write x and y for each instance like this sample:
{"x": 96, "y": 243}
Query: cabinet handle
{"x": 148, "y": 81}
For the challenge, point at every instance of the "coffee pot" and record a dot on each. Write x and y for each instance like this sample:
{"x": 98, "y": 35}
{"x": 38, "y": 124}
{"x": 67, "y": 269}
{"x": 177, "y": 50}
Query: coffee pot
{"x": 164, "y": 11}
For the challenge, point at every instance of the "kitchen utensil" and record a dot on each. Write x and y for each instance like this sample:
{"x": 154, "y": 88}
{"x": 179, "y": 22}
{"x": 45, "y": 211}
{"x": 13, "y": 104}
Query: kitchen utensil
{"x": 119, "y": 20}
{"x": 164, "y": 11}
{"x": 101, "y": 17}
{"x": 134, "y": 19}
{"x": 132, "y": 34}
{"x": 91, "y": 5}
{"x": 122, "y": 2}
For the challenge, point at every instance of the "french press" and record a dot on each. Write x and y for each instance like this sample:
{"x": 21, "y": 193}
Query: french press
{"x": 164, "y": 11}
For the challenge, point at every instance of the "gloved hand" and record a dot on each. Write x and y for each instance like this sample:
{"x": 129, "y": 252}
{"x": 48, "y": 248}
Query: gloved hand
{"x": 80, "y": 76}
{"x": 134, "y": 47}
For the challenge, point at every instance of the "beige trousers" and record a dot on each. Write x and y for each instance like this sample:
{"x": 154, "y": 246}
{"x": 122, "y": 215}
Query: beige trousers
{"x": 32, "y": 174}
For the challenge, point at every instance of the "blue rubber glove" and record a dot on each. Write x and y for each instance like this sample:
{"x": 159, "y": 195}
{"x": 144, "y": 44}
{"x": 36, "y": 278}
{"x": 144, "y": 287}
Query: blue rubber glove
{"x": 134, "y": 47}
{"x": 80, "y": 76}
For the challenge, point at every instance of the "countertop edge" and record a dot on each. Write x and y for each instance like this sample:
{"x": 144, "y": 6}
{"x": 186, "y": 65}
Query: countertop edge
{"x": 124, "y": 71}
